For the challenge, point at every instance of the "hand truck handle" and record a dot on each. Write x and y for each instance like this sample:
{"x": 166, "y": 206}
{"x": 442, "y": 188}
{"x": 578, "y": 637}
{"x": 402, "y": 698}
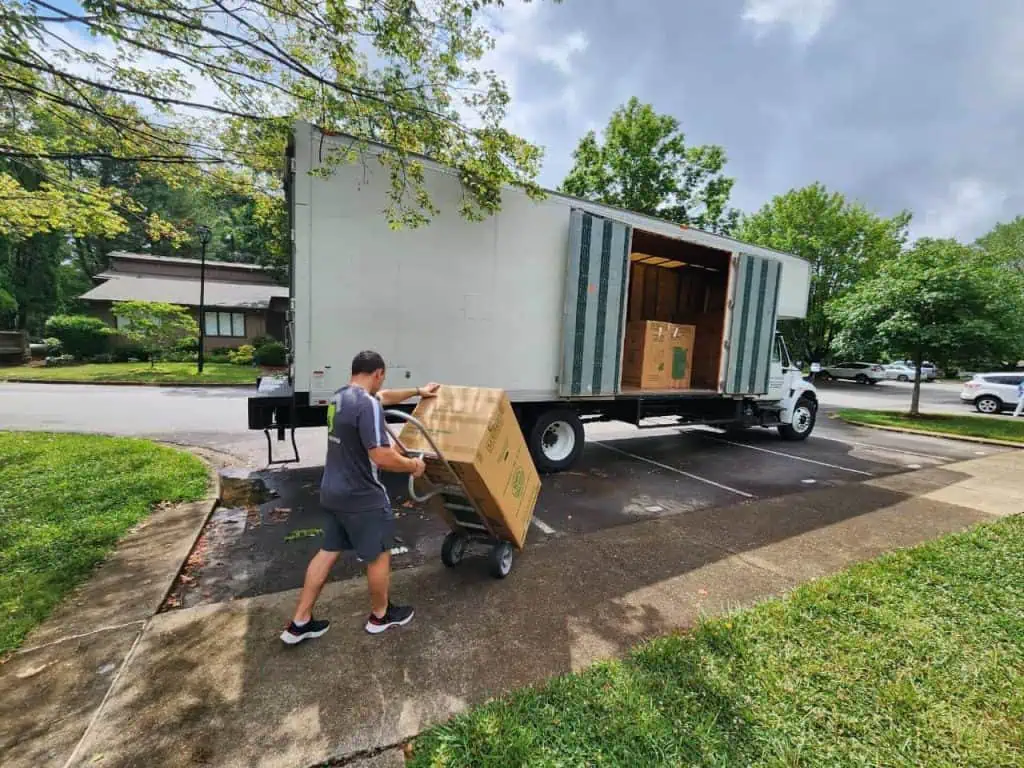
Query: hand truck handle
{"x": 430, "y": 440}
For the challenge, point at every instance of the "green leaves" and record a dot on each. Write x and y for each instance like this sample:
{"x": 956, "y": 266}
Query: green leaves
{"x": 939, "y": 300}
{"x": 156, "y": 326}
{"x": 643, "y": 164}
{"x": 844, "y": 243}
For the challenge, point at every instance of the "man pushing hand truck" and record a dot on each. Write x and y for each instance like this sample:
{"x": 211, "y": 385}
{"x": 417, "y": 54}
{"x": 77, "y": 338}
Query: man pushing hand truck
{"x": 358, "y": 511}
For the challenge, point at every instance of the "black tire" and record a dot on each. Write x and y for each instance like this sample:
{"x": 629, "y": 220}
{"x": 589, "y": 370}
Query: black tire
{"x": 555, "y": 440}
{"x": 453, "y": 549}
{"x": 860, "y": 378}
{"x": 499, "y": 562}
{"x": 902, "y": 377}
{"x": 805, "y": 415}
{"x": 989, "y": 405}
{"x": 872, "y": 382}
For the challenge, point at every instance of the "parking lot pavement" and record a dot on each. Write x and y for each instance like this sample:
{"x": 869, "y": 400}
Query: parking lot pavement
{"x": 624, "y": 476}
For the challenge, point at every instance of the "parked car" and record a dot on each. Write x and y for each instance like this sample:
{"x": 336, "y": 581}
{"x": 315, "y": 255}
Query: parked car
{"x": 862, "y": 373}
{"x": 928, "y": 370}
{"x": 904, "y": 372}
{"x": 992, "y": 392}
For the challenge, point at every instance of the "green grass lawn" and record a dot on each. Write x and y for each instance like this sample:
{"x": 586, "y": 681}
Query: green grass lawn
{"x": 990, "y": 427}
{"x": 916, "y": 659}
{"x": 65, "y": 500}
{"x": 135, "y": 373}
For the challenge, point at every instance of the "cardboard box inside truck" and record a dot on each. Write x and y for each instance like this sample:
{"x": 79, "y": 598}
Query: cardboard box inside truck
{"x": 658, "y": 355}
{"x": 477, "y": 431}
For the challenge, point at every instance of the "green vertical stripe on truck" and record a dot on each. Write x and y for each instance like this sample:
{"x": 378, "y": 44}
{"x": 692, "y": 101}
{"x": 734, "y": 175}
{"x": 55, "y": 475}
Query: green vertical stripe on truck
{"x": 581, "y": 304}
{"x": 755, "y": 352}
{"x": 602, "y": 306}
{"x": 742, "y": 304}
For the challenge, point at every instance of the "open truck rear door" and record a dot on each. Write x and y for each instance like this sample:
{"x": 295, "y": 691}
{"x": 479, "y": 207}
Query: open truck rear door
{"x": 593, "y": 316}
{"x": 750, "y": 333}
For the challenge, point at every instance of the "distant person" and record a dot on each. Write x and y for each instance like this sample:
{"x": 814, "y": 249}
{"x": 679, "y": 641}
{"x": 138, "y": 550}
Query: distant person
{"x": 358, "y": 510}
{"x": 1020, "y": 399}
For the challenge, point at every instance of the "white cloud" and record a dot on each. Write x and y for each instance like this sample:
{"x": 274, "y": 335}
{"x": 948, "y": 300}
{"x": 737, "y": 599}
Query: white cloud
{"x": 805, "y": 18}
{"x": 522, "y": 39}
{"x": 967, "y": 209}
{"x": 560, "y": 54}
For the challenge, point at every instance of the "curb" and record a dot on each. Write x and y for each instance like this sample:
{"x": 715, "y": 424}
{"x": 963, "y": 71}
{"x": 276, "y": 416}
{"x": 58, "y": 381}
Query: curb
{"x": 926, "y": 433}
{"x": 179, "y": 385}
{"x": 210, "y": 502}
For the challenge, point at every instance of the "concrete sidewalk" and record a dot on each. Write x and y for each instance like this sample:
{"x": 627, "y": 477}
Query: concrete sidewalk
{"x": 214, "y": 686}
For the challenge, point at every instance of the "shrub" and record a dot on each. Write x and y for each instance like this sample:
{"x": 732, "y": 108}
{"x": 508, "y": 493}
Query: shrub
{"x": 80, "y": 336}
{"x": 273, "y": 354}
{"x": 178, "y": 356}
{"x": 59, "y": 360}
{"x": 53, "y": 346}
{"x": 242, "y": 355}
{"x": 127, "y": 352}
{"x": 261, "y": 341}
{"x": 222, "y": 355}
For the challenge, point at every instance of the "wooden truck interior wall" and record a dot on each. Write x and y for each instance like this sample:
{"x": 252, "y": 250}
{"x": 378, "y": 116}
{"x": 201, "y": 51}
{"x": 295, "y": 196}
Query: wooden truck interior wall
{"x": 677, "y": 282}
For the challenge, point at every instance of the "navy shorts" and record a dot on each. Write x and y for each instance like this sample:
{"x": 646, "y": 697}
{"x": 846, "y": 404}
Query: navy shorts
{"x": 366, "y": 533}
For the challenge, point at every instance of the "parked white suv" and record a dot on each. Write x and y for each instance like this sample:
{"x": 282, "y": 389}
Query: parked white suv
{"x": 992, "y": 392}
{"x": 862, "y": 373}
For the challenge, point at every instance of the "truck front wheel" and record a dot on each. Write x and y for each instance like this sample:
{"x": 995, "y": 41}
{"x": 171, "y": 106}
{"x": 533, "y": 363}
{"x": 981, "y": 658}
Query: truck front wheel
{"x": 556, "y": 440}
{"x": 805, "y": 413}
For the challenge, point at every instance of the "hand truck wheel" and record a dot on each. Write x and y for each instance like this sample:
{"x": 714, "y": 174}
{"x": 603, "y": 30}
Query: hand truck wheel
{"x": 500, "y": 560}
{"x": 453, "y": 549}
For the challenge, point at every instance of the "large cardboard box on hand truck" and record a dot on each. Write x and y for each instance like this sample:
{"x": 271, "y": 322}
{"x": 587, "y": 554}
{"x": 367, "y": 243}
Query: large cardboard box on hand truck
{"x": 477, "y": 431}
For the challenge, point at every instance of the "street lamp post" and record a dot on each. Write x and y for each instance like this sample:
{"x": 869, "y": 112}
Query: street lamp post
{"x": 204, "y": 238}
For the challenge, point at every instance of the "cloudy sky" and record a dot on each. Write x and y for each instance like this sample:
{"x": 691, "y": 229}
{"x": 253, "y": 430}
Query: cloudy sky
{"x": 915, "y": 104}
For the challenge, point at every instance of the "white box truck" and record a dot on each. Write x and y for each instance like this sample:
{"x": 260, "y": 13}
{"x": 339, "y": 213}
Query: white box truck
{"x": 534, "y": 300}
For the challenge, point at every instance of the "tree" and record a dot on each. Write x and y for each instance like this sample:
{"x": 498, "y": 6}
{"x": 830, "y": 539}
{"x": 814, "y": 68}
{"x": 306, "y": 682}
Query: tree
{"x": 940, "y": 299}
{"x": 1005, "y": 244}
{"x": 156, "y": 326}
{"x": 8, "y": 309}
{"x": 844, "y": 244}
{"x": 642, "y": 163}
{"x": 402, "y": 73}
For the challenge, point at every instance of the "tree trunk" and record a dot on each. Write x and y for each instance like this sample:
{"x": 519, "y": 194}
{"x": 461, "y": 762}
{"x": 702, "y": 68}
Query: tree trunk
{"x": 915, "y": 398}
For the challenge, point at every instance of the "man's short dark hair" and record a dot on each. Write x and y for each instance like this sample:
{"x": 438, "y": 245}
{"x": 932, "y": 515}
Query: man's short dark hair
{"x": 367, "y": 362}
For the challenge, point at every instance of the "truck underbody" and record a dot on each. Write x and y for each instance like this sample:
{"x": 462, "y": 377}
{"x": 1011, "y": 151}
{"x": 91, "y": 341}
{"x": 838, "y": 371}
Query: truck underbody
{"x": 554, "y": 429}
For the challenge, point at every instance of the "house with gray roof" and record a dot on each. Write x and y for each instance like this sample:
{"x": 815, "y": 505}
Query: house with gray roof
{"x": 242, "y": 301}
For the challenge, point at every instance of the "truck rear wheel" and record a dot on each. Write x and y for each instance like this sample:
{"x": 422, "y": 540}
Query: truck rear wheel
{"x": 805, "y": 413}
{"x": 556, "y": 440}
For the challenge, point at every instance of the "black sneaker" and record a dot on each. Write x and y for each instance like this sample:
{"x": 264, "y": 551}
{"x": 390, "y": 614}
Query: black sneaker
{"x": 296, "y": 634}
{"x": 396, "y": 616}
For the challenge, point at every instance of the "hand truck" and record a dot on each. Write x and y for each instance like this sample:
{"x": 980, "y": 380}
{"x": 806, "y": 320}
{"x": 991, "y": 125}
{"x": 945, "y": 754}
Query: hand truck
{"x": 469, "y": 525}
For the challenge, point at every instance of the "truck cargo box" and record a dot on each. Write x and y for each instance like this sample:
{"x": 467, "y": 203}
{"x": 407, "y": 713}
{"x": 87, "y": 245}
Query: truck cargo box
{"x": 534, "y": 300}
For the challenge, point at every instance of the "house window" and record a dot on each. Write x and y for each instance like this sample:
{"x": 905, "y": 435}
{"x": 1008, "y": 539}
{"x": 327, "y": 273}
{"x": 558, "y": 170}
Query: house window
{"x": 225, "y": 324}
{"x": 123, "y": 324}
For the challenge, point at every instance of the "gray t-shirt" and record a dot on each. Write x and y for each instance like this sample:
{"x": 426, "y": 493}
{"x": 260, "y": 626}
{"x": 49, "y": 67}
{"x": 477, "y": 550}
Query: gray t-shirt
{"x": 355, "y": 426}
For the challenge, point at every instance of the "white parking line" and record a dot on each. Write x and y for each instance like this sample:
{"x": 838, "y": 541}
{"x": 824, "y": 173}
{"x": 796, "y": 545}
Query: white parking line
{"x": 795, "y": 458}
{"x": 884, "y": 448}
{"x": 545, "y": 528}
{"x": 678, "y": 471}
